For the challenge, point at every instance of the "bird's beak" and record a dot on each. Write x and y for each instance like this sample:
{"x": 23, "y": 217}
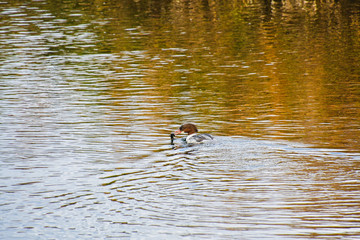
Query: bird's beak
{"x": 177, "y": 132}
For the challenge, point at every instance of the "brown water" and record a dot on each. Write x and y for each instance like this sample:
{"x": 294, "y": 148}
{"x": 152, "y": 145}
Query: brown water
{"x": 90, "y": 91}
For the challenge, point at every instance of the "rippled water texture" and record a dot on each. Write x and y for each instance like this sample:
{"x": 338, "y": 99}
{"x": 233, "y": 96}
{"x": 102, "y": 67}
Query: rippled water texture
{"x": 91, "y": 90}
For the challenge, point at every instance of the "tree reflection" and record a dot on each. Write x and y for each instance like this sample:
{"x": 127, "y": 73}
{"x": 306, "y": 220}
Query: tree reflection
{"x": 253, "y": 65}
{"x": 282, "y": 69}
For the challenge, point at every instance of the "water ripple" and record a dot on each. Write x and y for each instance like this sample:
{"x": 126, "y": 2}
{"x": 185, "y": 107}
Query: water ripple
{"x": 90, "y": 92}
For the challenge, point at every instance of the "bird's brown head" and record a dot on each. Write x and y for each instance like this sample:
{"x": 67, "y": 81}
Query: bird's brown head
{"x": 188, "y": 128}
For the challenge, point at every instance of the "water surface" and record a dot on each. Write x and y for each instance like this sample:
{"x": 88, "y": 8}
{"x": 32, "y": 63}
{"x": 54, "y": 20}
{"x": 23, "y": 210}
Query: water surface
{"x": 90, "y": 91}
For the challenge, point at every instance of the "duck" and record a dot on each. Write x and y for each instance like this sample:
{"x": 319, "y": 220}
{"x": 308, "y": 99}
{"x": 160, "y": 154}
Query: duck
{"x": 193, "y": 136}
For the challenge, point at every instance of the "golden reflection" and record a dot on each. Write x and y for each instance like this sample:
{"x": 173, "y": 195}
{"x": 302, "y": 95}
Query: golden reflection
{"x": 288, "y": 70}
{"x": 282, "y": 69}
